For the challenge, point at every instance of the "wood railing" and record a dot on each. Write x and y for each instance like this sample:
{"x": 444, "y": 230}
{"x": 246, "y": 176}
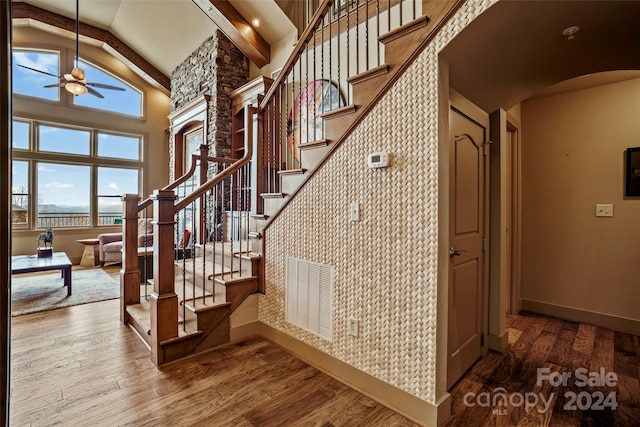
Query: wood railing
{"x": 340, "y": 42}
{"x": 187, "y": 218}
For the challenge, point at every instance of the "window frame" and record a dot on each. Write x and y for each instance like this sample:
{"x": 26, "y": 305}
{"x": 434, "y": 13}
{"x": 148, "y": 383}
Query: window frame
{"x": 66, "y": 61}
{"x": 34, "y": 157}
{"x": 133, "y": 87}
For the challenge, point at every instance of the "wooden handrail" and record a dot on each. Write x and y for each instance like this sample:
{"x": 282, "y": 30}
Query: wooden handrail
{"x": 314, "y": 24}
{"x": 248, "y": 152}
{"x": 147, "y": 202}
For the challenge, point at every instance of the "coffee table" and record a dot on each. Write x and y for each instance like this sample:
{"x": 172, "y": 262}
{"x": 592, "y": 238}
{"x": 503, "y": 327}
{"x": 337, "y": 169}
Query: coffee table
{"x": 33, "y": 263}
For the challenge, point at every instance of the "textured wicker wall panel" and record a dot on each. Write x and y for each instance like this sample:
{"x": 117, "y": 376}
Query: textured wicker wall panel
{"x": 386, "y": 264}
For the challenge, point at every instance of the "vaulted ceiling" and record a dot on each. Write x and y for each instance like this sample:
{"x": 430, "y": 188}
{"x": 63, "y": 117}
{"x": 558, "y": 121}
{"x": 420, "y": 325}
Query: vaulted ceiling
{"x": 165, "y": 32}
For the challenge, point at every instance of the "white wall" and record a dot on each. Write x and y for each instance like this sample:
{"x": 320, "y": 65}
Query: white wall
{"x": 573, "y": 148}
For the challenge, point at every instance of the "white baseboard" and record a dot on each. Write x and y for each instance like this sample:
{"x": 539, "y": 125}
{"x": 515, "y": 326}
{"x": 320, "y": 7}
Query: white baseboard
{"x": 623, "y": 324}
{"x": 409, "y": 406}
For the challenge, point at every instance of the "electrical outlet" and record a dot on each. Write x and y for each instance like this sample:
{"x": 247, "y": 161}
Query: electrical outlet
{"x": 353, "y": 326}
{"x": 605, "y": 210}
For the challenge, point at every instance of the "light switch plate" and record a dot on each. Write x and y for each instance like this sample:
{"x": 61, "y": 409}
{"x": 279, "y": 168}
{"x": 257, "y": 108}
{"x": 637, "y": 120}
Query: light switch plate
{"x": 604, "y": 209}
{"x": 353, "y": 326}
{"x": 354, "y": 211}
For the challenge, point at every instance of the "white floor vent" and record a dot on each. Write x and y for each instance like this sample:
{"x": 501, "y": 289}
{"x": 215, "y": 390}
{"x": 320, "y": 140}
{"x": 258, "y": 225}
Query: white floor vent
{"x": 309, "y": 296}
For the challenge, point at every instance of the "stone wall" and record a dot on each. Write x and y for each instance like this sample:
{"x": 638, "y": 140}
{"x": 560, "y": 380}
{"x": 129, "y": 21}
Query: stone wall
{"x": 216, "y": 68}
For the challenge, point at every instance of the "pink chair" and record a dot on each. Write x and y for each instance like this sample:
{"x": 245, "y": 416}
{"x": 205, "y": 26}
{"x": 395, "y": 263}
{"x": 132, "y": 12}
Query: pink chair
{"x": 110, "y": 244}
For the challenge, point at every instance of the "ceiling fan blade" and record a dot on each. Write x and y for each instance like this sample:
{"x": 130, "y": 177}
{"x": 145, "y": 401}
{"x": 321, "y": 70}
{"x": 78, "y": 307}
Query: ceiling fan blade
{"x": 56, "y": 85}
{"x": 94, "y": 92}
{"x": 104, "y": 86}
{"x": 39, "y": 71}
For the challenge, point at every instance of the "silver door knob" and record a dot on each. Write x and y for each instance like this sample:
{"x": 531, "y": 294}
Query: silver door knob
{"x": 453, "y": 252}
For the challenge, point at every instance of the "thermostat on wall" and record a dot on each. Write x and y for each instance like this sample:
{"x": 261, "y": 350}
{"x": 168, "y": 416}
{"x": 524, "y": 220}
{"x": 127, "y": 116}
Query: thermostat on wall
{"x": 378, "y": 160}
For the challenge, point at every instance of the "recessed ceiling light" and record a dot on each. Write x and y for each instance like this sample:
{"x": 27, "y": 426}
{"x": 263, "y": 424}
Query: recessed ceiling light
{"x": 570, "y": 31}
{"x": 255, "y": 22}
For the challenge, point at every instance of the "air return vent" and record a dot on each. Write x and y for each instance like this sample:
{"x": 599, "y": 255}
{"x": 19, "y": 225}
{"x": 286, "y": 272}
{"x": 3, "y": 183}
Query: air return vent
{"x": 309, "y": 296}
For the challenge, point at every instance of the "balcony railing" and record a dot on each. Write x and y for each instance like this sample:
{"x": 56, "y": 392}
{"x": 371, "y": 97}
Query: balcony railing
{"x": 74, "y": 219}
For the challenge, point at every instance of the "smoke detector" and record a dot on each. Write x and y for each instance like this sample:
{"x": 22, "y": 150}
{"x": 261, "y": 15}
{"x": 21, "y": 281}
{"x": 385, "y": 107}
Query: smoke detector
{"x": 570, "y": 31}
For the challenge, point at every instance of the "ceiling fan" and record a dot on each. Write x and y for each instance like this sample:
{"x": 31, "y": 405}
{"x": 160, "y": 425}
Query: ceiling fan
{"x": 75, "y": 82}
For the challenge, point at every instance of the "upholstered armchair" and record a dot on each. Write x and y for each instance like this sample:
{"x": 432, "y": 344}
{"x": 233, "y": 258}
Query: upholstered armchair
{"x": 110, "y": 244}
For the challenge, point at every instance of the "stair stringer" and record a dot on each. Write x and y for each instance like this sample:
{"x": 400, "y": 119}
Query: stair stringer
{"x": 211, "y": 323}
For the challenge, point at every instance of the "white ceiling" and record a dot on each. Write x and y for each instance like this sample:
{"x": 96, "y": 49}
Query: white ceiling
{"x": 166, "y": 32}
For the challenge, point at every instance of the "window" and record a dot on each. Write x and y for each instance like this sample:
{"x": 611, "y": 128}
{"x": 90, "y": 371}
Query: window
{"x": 128, "y": 101}
{"x": 112, "y": 184}
{"x": 20, "y": 194}
{"x": 44, "y": 67}
{"x": 20, "y": 135}
{"x": 61, "y": 140}
{"x": 79, "y": 176}
{"x": 37, "y": 73}
{"x": 63, "y": 195}
{"x": 118, "y": 146}
{"x": 192, "y": 146}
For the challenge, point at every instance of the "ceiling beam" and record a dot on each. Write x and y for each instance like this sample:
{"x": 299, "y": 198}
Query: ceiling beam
{"x": 237, "y": 29}
{"x": 112, "y": 43}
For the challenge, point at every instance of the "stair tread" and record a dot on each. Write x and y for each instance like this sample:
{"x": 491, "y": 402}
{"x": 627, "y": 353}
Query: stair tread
{"x": 272, "y": 195}
{"x": 247, "y": 256}
{"x": 339, "y": 112}
{"x": 209, "y": 266}
{"x": 369, "y": 74}
{"x": 233, "y": 280}
{"x": 314, "y": 144}
{"x": 198, "y": 305}
{"x": 291, "y": 171}
{"x": 407, "y": 28}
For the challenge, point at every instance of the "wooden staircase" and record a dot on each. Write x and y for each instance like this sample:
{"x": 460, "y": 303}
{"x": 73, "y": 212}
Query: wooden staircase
{"x": 203, "y": 320}
{"x": 185, "y": 289}
{"x": 401, "y": 47}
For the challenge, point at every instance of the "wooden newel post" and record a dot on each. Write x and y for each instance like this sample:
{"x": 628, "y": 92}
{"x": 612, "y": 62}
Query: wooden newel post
{"x": 164, "y": 300}
{"x": 129, "y": 274}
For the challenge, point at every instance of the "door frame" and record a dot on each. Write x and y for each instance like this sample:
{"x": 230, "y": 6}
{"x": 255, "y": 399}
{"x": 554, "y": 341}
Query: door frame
{"x": 505, "y": 201}
{"x": 458, "y": 102}
{"x": 513, "y": 127}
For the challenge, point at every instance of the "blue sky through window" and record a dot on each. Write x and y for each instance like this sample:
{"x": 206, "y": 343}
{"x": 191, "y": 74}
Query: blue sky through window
{"x": 118, "y": 146}
{"x": 20, "y": 177}
{"x": 63, "y": 185}
{"x": 127, "y": 102}
{"x": 28, "y": 82}
{"x": 31, "y": 83}
{"x": 20, "y": 135}
{"x": 61, "y": 140}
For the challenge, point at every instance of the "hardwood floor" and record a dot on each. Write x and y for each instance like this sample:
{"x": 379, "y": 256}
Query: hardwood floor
{"x": 79, "y": 366}
{"x": 96, "y": 372}
{"x": 543, "y": 342}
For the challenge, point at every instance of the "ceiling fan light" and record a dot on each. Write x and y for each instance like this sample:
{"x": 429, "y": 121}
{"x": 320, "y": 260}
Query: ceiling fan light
{"x": 78, "y": 73}
{"x": 76, "y": 88}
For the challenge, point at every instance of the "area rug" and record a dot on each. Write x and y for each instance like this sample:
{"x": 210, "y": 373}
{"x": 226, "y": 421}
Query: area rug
{"x": 46, "y": 291}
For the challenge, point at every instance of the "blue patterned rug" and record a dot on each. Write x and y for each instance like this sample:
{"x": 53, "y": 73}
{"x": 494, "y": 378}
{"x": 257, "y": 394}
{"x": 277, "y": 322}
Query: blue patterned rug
{"x": 31, "y": 293}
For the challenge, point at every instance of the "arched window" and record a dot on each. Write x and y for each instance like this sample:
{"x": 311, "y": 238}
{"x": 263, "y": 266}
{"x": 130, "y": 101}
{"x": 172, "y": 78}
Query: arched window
{"x": 35, "y": 74}
{"x": 127, "y": 101}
